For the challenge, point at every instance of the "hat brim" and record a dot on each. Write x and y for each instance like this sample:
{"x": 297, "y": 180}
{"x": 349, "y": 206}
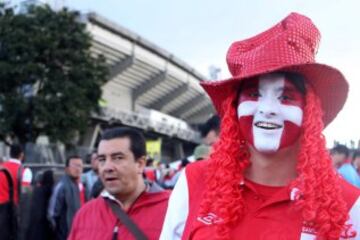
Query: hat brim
{"x": 328, "y": 83}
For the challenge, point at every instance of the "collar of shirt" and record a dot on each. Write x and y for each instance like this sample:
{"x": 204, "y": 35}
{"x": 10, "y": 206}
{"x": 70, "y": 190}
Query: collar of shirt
{"x": 106, "y": 194}
{"x": 13, "y": 160}
{"x": 285, "y": 193}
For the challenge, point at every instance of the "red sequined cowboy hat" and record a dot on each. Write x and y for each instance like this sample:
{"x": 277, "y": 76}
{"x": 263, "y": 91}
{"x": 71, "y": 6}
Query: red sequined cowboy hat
{"x": 290, "y": 45}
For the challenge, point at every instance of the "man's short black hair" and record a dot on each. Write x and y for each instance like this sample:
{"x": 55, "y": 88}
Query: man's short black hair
{"x": 137, "y": 139}
{"x": 15, "y": 151}
{"x": 212, "y": 123}
{"x": 356, "y": 154}
{"x": 340, "y": 148}
{"x": 67, "y": 162}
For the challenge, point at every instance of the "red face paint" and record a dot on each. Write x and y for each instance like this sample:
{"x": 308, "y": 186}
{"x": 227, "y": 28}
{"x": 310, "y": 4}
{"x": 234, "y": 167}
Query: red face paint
{"x": 270, "y": 112}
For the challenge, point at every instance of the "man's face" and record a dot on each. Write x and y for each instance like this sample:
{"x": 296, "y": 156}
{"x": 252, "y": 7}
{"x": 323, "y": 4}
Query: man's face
{"x": 338, "y": 159}
{"x": 75, "y": 168}
{"x": 119, "y": 171}
{"x": 270, "y": 112}
{"x": 357, "y": 163}
{"x": 94, "y": 162}
{"x": 211, "y": 137}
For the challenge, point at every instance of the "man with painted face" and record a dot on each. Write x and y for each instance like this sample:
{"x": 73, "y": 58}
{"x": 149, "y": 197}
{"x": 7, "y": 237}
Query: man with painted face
{"x": 269, "y": 175}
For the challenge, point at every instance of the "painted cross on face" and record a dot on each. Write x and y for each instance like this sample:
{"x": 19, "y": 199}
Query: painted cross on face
{"x": 270, "y": 112}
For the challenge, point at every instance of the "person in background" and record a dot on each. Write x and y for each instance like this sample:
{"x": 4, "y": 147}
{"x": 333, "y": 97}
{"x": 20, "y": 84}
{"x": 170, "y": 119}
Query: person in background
{"x": 339, "y": 155}
{"x": 202, "y": 152}
{"x": 14, "y": 165}
{"x": 122, "y": 157}
{"x": 170, "y": 183}
{"x": 150, "y": 172}
{"x": 210, "y": 130}
{"x": 40, "y": 228}
{"x": 356, "y": 161}
{"x": 341, "y": 161}
{"x": 90, "y": 177}
{"x": 67, "y": 198}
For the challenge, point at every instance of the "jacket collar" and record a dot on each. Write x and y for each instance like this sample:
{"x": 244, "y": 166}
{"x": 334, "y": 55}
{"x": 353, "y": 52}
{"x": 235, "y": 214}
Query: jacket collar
{"x": 14, "y": 160}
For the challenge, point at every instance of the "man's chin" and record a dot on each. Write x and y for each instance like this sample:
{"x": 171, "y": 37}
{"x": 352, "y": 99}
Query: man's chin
{"x": 266, "y": 148}
{"x": 112, "y": 190}
{"x": 111, "y": 187}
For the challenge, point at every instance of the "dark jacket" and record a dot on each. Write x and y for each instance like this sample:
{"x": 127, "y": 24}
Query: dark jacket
{"x": 39, "y": 227}
{"x": 64, "y": 203}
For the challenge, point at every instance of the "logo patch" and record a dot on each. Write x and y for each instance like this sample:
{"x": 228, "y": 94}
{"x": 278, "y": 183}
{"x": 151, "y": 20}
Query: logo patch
{"x": 209, "y": 219}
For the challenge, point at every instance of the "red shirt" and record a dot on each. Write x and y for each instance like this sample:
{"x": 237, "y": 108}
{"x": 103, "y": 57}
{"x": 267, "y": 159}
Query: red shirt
{"x": 150, "y": 174}
{"x": 270, "y": 213}
{"x": 95, "y": 220}
{"x": 13, "y": 166}
{"x": 82, "y": 194}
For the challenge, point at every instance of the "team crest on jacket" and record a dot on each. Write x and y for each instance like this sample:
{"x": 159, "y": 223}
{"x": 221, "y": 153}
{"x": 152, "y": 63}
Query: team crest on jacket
{"x": 209, "y": 219}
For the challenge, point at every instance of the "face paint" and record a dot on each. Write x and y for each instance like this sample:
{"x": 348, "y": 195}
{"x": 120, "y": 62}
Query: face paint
{"x": 270, "y": 111}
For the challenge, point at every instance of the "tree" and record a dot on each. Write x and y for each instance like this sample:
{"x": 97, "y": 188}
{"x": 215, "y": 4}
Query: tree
{"x": 50, "y": 81}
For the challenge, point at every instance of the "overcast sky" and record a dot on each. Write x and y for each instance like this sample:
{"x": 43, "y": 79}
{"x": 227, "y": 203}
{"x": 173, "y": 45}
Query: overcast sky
{"x": 200, "y": 31}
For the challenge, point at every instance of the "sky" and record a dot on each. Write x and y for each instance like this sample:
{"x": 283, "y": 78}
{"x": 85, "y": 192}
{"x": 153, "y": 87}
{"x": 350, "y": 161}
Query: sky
{"x": 200, "y": 31}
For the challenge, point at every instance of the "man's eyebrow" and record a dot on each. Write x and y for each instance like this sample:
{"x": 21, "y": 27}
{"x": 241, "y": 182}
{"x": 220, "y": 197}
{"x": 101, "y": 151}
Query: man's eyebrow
{"x": 116, "y": 154}
{"x": 112, "y": 154}
{"x": 287, "y": 89}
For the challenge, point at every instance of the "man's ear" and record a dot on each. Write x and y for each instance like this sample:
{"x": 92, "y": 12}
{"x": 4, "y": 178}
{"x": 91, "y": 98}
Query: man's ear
{"x": 21, "y": 156}
{"x": 141, "y": 162}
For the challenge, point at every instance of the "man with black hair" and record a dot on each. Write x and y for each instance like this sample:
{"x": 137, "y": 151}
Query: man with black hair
{"x": 91, "y": 177}
{"x": 356, "y": 161}
{"x": 67, "y": 198}
{"x": 340, "y": 155}
{"x": 21, "y": 183}
{"x": 13, "y": 165}
{"x": 210, "y": 130}
{"x": 122, "y": 157}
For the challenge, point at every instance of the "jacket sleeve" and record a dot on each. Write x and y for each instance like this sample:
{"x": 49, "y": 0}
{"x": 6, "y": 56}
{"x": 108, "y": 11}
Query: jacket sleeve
{"x": 354, "y": 218}
{"x": 177, "y": 211}
{"x": 57, "y": 204}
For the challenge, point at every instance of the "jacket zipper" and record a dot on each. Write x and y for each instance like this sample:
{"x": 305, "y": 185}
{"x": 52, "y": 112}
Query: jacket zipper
{"x": 115, "y": 232}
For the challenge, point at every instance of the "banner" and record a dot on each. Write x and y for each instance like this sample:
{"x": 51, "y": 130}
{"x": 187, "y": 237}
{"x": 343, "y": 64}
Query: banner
{"x": 153, "y": 149}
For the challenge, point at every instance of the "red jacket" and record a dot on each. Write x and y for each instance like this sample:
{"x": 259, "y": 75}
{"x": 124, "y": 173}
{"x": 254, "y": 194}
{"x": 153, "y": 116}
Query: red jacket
{"x": 12, "y": 166}
{"x": 95, "y": 220}
{"x": 271, "y": 217}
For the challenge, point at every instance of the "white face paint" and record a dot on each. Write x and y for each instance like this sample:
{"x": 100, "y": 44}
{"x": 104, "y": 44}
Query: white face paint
{"x": 270, "y": 113}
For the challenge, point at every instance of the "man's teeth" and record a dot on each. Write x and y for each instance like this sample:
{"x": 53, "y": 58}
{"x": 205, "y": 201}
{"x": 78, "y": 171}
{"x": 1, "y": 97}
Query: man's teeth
{"x": 267, "y": 125}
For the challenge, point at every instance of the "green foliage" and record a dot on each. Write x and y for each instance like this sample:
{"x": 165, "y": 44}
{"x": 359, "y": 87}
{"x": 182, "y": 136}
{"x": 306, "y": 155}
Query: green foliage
{"x": 49, "y": 81}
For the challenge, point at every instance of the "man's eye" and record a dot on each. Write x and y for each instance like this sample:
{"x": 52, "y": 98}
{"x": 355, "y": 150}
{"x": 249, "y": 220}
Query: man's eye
{"x": 118, "y": 158}
{"x": 254, "y": 94}
{"x": 285, "y": 98}
{"x": 101, "y": 159}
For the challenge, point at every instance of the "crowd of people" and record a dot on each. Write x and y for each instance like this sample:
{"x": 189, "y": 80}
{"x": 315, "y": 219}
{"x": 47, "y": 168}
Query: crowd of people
{"x": 262, "y": 172}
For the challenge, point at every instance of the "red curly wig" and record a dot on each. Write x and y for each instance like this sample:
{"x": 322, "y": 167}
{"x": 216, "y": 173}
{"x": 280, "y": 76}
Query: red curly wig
{"x": 319, "y": 199}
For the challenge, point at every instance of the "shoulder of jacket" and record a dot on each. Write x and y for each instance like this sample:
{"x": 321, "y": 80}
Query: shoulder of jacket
{"x": 350, "y": 193}
{"x": 93, "y": 205}
{"x": 197, "y": 168}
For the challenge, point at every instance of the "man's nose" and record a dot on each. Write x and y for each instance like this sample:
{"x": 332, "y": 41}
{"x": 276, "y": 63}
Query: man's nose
{"x": 108, "y": 165}
{"x": 269, "y": 107}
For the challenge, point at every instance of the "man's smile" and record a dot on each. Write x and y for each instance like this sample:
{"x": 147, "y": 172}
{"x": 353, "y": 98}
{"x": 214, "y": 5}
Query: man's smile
{"x": 267, "y": 125}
